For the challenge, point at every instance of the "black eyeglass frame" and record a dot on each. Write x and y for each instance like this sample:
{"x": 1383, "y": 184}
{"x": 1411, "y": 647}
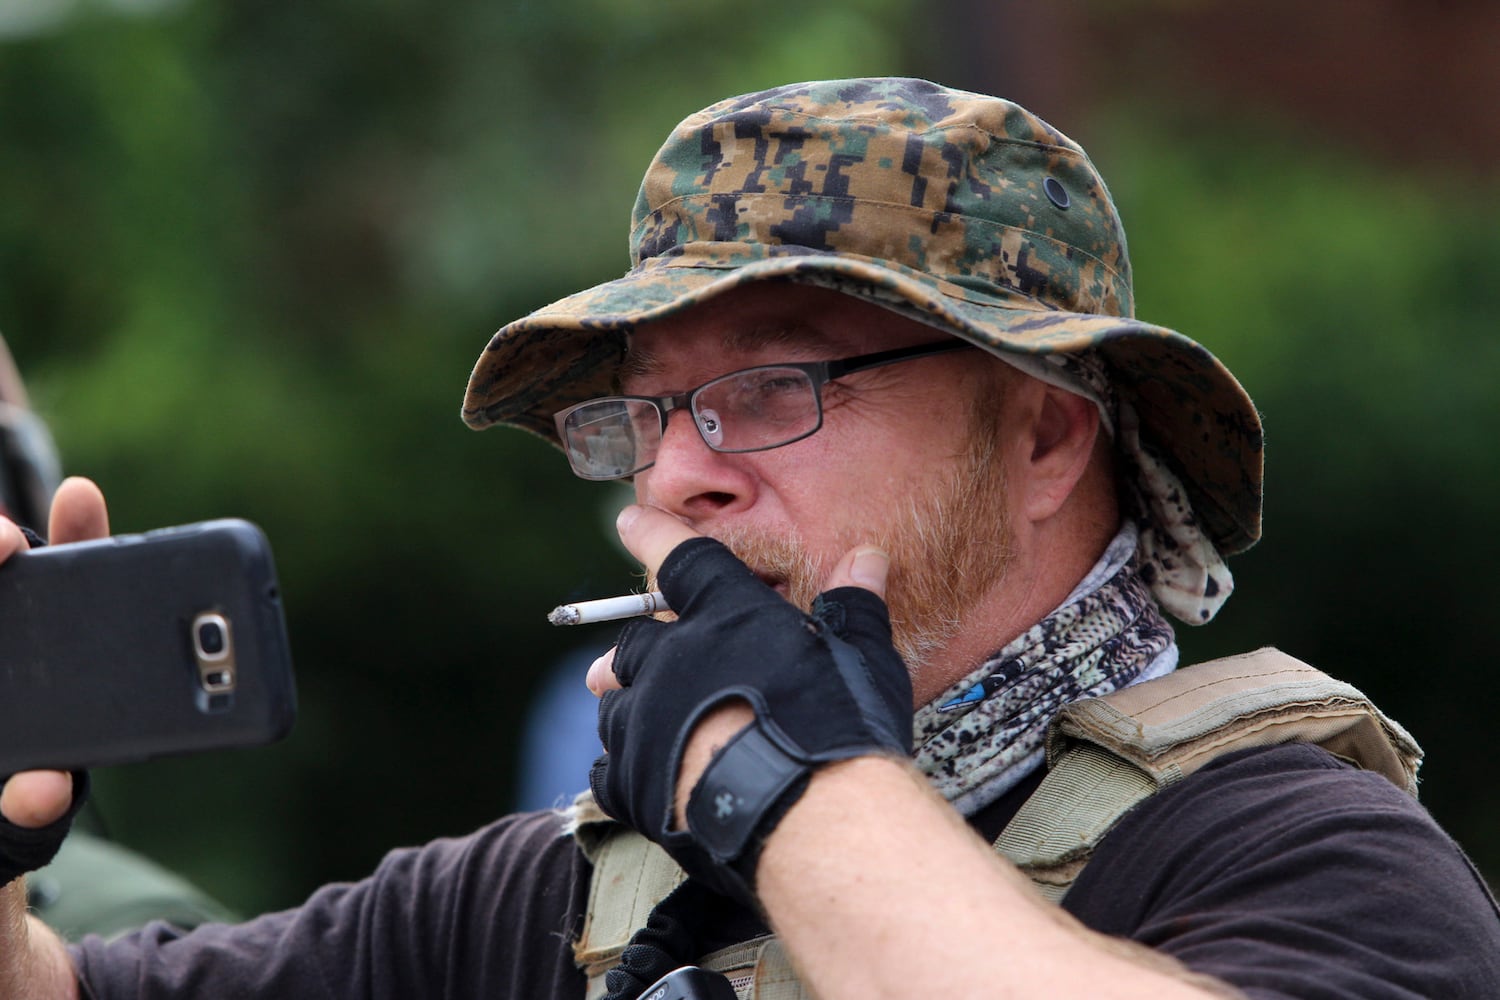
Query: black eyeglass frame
{"x": 819, "y": 373}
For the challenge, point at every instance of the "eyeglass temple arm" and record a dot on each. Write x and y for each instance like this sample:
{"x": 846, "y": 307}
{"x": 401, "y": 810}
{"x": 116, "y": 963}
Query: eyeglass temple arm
{"x": 837, "y": 369}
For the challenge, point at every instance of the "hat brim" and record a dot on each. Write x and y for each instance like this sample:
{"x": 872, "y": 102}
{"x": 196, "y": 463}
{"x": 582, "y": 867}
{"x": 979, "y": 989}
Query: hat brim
{"x": 1190, "y": 407}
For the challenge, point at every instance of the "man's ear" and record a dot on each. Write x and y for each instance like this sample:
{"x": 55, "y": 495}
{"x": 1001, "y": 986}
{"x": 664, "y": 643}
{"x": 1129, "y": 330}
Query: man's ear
{"x": 1064, "y": 431}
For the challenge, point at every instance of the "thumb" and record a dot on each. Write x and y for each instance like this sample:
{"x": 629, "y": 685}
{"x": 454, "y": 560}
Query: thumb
{"x": 78, "y": 512}
{"x": 35, "y": 799}
{"x": 862, "y": 566}
{"x": 601, "y": 676}
{"x": 650, "y": 534}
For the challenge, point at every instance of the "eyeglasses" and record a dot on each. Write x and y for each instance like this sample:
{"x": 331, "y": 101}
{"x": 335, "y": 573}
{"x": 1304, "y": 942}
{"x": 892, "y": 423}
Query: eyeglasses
{"x": 750, "y": 410}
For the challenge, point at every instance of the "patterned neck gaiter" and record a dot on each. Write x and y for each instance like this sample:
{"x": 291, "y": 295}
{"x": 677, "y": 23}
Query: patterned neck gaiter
{"x": 981, "y": 736}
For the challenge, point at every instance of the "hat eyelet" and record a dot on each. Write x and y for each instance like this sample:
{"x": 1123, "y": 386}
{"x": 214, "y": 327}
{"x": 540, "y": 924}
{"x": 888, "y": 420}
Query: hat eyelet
{"x": 1056, "y": 193}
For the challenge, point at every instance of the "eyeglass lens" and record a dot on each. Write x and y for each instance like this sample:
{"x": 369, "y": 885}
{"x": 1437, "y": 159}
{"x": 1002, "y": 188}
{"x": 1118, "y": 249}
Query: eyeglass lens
{"x": 743, "y": 411}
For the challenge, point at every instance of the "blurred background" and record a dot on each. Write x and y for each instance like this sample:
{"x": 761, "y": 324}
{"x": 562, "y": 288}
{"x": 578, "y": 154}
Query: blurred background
{"x": 250, "y": 251}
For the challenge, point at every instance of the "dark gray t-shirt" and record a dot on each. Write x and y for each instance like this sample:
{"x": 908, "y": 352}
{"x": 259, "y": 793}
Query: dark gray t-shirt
{"x": 1282, "y": 871}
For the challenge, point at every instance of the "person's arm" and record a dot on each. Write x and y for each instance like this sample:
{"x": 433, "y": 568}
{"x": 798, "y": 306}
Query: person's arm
{"x": 33, "y": 963}
{"x": 916, "y": 904}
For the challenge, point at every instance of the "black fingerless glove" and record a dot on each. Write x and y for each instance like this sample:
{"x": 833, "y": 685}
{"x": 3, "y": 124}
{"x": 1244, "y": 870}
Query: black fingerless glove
{"x": 824, "y": 687}
{"x": 25, "y": 849}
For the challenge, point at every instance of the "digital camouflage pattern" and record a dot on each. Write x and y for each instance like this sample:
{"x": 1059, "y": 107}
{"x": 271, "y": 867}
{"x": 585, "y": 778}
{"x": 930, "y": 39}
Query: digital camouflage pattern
{"x": 963, "y": 211}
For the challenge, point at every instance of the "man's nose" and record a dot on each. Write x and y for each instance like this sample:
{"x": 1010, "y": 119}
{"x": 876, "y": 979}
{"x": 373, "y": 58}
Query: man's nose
{"x": 689, "y": 478}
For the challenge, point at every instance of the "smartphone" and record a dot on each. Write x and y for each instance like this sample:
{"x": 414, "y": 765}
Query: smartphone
{"x": 138, "y": 646}
{"x": 690, "y": 983}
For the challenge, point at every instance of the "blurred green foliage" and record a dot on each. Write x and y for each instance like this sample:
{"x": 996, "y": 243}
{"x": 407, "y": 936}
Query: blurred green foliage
{"x": 248, "y": 253}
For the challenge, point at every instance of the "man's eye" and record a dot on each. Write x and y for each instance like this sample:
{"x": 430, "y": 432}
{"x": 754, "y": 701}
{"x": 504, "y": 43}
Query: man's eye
{"x": 779, "y": 385}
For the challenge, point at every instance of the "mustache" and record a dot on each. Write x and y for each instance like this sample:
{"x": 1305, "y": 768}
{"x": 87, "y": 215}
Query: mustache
{"x": 776, "y": 560}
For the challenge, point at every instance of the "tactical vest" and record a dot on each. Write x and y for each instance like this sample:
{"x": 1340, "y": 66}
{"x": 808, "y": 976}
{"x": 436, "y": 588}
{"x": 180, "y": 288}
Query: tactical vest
{"x": 1104, "y": 756}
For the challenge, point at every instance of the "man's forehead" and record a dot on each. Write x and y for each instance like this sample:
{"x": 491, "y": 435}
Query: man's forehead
{"x": 777, "y": 322}
{"x": 650, "y": 351}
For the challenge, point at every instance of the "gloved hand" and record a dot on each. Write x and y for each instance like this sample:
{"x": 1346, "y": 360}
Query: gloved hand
{"x": 25, "y": 849}
{"x": 824, "y": 687}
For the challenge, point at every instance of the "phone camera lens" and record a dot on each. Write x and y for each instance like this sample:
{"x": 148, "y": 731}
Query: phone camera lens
{"x": 211, "y": 638}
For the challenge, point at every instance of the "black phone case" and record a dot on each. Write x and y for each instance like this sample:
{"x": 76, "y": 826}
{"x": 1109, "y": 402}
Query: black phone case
{"x": 98, "y": 662}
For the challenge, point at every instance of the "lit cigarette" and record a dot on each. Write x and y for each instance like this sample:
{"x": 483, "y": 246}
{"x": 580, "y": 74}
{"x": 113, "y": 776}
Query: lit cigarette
{"x": 609, "y": 609}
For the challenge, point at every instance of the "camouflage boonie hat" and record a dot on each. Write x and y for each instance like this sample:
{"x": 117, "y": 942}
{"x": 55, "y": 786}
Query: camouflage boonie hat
{"x": 964, "y": 211}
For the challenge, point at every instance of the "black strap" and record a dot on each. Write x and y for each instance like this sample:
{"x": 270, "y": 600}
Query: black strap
{"x": 745, "y": 792}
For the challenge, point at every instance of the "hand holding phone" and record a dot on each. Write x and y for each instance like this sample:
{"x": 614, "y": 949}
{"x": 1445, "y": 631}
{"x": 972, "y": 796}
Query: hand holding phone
{"x": 42, "y": 804}
{"x": 125, "y": 648}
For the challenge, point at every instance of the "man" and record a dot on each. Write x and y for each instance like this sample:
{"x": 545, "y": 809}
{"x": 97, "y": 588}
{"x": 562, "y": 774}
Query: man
{"x": 898, "y": 319}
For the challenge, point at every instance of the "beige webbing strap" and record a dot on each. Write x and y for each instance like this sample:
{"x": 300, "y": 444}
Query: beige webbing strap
{"x": 1085, "y": 792}
{"x": 1107, "y": 754}
{"x": 631, "y": 875}
{"x": 758, "y": 970}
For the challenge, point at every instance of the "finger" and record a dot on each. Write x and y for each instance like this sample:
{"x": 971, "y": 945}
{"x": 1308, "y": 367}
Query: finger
{"x": 78, "y": 512}
{"x": 601, "y": 676}
{"x": 854, "y": 613}
{"x": 650, "y": 534}
{"x": 599, "y": 784}
{"x": 852, "y": 603}
{"x": 610, "y": 727}
{"x": 11, "y": 540}
{"x": 862, "y": 566}
{"x": 634, "y": 649}
{"x": 36, "y": 798}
